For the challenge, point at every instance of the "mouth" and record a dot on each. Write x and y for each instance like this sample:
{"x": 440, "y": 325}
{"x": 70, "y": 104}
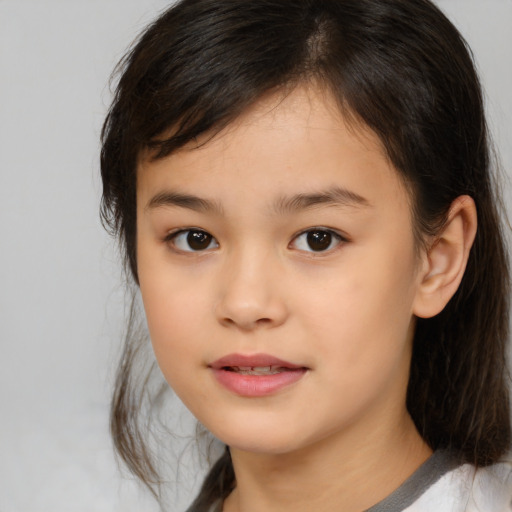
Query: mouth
{"x": 258, "y": 370}
{"x": 257, "y": 375}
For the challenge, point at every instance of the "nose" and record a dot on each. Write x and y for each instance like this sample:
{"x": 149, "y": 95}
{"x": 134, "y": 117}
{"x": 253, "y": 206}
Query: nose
{"x": 250, "y": 294}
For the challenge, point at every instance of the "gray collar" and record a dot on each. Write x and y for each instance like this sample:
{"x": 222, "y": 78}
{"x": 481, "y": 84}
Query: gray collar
{"x": 439, "y": 463}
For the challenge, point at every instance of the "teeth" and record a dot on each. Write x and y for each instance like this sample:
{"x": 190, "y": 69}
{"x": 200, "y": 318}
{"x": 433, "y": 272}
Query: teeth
{"x": 258, "y": 370}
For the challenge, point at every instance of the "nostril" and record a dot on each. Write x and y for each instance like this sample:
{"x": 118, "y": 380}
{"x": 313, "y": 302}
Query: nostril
{"x": 247, "y": 323}
{"x": 263, "y": 321}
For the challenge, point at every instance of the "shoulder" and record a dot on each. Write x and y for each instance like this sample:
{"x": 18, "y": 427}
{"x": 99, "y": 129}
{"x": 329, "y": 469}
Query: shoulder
{"x": 466, "y": 489}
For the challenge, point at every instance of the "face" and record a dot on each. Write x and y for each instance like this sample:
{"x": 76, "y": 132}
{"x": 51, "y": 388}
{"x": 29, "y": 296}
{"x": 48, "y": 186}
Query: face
{"x": 278, "y": 271}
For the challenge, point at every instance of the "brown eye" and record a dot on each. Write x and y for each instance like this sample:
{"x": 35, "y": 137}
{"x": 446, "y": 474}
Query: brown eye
{"x": 317, "y": 240}
{"x": 198, "y": 240}
{"x": 193, "y": 240}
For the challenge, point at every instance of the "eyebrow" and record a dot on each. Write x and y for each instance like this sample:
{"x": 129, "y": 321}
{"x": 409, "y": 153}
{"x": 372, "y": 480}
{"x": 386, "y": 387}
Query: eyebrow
{"x": 191, "y": 202}
{"x": 335, "y": 196}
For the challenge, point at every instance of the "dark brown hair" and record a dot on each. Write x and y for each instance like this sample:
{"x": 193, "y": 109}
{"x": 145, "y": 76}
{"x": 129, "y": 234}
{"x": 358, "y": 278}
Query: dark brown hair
{"x": 401, "y": 68}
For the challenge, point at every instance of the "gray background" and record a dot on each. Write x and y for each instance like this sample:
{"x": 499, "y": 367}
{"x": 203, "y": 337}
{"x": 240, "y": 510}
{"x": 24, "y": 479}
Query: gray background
{"x": 61, "y": 293}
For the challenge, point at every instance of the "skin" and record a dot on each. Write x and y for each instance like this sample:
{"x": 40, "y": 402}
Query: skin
{"x": 346, "y": 313}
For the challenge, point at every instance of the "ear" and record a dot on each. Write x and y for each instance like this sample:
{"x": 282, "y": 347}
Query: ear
{"x": 445, "y": 261}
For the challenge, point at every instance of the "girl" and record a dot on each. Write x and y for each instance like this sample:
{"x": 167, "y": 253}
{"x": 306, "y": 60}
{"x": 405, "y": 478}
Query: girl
{"x": 303, "y": 194}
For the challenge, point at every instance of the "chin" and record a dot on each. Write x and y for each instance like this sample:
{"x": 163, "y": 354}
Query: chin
{"x": 260, "y": 439}
{"x": 263, "y": 446}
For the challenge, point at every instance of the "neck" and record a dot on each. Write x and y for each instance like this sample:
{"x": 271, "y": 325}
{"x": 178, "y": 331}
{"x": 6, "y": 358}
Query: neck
{"x": 355, "y": 470}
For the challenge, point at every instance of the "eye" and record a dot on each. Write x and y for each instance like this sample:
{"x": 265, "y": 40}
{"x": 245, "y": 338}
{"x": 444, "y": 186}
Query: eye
{"x": 317, "y": 240}
{"x": 192, "y": 240}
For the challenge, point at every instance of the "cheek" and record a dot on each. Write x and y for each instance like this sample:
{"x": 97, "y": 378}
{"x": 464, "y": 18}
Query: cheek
{"x": 179, "y": 343}
{"x": 175, "y": 312}
{"x": 364, "y": 315}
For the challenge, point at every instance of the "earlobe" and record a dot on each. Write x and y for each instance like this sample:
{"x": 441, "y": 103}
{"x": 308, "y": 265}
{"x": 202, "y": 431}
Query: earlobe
{"x": 446, "y": 259}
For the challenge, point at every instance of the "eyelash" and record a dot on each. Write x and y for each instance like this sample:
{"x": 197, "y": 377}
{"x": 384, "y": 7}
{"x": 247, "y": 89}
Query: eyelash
{"x": 333, "y": 240}
{"x": 175, "y": 235}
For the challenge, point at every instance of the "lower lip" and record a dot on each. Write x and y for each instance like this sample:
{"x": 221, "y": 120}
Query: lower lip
{"x": 257, "y": 385}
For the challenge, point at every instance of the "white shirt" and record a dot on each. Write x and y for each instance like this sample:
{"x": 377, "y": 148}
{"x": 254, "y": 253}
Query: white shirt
{"x": 441, "y": 486}
{"x": 465, "y": 489}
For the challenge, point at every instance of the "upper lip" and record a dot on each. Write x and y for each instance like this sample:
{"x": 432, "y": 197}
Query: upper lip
{"x": 255, "y": 360}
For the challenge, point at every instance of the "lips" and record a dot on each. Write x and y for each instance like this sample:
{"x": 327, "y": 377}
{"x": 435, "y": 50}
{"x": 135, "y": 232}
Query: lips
{"x": 257, "y": 370}
{"x": 252, "y": 361}
{"x": 256, "y": 375}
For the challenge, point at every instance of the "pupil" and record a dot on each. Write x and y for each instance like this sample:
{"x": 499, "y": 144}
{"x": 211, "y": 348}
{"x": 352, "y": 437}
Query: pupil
{"x": 319, "y": 240}
{"x": 198, "y": 240}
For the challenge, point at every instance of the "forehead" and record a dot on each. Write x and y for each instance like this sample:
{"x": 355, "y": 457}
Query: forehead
{"x": 282, "y": 144}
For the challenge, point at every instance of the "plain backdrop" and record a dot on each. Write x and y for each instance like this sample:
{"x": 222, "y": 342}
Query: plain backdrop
{"x": 61, "y": 290}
